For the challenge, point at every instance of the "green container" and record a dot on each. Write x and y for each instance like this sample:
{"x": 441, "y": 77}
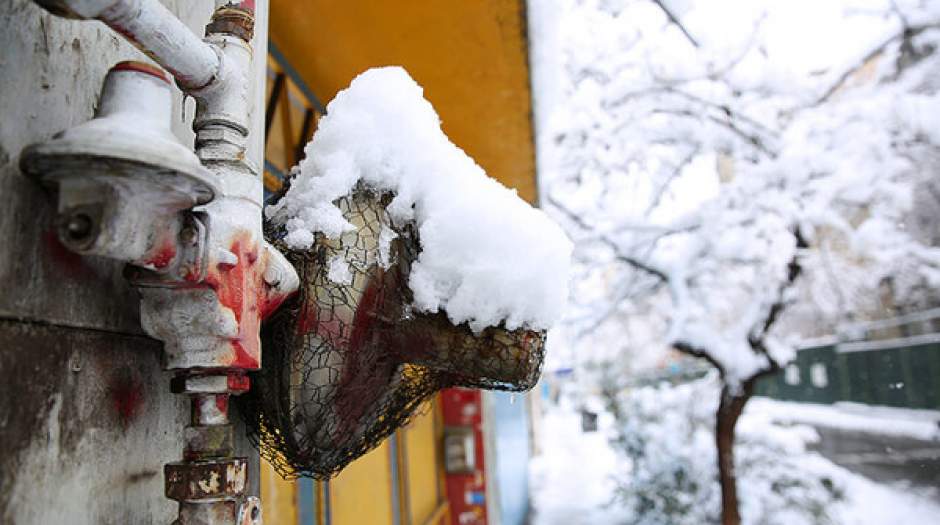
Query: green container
{"x": 903, "y": 376}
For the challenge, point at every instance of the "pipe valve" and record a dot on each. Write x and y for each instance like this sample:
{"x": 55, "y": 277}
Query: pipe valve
{"x": 124, "y": 183}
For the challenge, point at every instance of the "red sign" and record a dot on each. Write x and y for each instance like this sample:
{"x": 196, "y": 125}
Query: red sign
{"x": 466, "y": 490}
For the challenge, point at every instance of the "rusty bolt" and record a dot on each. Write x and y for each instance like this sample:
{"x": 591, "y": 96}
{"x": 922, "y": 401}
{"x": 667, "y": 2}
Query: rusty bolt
{"x": 234, "y": 21}
{"x": 206, "y": 480}
{"x": 79, "y": 226}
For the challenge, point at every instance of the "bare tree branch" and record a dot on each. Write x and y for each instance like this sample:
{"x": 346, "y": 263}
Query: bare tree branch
{"x": 676, "y": 172}
{"x": 757, "y": 337}
{"x": 753, "y": 139}
{"x": 907, "y": 33}
{"x": 724, "y": 109}
{"x": 618, "y": 253}
{"x": 689, "y": 349}
{"x": 675, "y": 20}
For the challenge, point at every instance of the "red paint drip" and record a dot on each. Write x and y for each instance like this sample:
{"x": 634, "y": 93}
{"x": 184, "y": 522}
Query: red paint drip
{"x": 365, "y": 313}
{"x": 270, "y": 305}
{"x": 221, "y": 403}
{"x": 363, "y": 382}
{"x": 69, "y": 262}
{"x": 126, "y": 398}
{"x": 331, "y": 330}
{"x": 191, "y": 276}
{"x": 238, "y": 382}
{"x": 164, "y": 255}
{"x": 240, "y": 288}
{"x": 307, "y": 319}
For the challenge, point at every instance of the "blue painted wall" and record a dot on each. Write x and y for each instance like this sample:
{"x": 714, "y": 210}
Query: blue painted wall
{"x": 511, "y": 419}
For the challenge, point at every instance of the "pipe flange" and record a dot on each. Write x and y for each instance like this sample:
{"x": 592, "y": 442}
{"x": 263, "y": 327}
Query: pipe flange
{"x": 213, "y": 480}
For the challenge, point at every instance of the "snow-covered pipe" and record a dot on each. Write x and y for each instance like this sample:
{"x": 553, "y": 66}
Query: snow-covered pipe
{"x": 154, "y": 30}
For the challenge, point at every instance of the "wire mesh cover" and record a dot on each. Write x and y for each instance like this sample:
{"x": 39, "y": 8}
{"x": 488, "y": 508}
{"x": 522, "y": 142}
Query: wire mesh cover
{"x": 346, "y": 364}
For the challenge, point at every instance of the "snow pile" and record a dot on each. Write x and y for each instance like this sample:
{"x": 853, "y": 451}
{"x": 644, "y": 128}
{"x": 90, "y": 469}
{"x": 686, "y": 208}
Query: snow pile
{"x": 883, "y": 421}
{"x": 487, "y": 257}
{"x": 573, "y": 480}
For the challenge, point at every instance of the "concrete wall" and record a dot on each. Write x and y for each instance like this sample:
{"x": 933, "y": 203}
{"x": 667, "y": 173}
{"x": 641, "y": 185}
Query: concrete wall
{"x": 86, "y": 417}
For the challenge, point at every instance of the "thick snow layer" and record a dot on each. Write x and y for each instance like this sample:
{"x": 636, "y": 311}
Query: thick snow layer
{"x": 487, "y": 257}
{"x": 886, "y": 421}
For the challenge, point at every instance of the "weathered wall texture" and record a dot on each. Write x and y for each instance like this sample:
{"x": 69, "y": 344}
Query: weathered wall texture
{"x": 86, "y": 417}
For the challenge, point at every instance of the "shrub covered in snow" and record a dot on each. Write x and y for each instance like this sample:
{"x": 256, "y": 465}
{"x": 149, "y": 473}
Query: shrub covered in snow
{"x": 666, "y": 435}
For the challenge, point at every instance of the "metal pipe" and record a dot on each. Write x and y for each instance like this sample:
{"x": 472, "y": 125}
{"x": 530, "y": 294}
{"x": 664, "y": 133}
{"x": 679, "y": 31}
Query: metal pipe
{"x": 244, "y": 277}
{"x": 154, "y": 30}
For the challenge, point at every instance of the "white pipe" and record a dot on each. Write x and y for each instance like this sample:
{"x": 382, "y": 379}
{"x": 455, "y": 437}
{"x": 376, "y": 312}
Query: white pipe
{"x": 155, "y": 31}
{"x": 260, "y": 77}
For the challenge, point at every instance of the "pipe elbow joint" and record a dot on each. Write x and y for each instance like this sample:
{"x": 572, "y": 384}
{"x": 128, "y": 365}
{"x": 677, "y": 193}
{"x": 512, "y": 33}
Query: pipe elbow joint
{"x": 225, "y": 100}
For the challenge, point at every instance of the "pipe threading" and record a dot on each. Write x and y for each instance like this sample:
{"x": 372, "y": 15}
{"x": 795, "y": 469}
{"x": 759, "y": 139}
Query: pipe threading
{"x": 234, "y": 21}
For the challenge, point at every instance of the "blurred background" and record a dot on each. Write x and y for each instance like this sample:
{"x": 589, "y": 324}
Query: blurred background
{"x": 753, "y": 328}
{"x": 752, "y": 335}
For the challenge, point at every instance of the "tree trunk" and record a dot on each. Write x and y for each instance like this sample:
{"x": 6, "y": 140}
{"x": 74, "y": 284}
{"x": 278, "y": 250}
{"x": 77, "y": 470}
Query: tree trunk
{"x": 729, "y": 410}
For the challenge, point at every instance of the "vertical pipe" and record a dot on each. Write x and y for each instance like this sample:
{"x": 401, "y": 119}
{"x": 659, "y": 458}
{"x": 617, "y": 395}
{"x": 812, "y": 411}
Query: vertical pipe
{"x": 259, "y": 76}
{"x": 306, "y": 501}
{"x": 395, "y": 481}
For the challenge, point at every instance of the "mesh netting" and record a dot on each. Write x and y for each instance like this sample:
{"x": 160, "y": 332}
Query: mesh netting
{"x": 346, "y": 361}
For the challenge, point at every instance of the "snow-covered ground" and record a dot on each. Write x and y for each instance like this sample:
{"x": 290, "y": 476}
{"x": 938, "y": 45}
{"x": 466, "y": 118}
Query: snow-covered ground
{"x": 885, "y": 421}
{"x": 574, "y": 478}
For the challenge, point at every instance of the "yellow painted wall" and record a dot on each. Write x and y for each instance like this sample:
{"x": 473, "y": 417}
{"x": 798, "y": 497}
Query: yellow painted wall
{"x": 362, "y": 493}
{"x": 470, "y": 56}
{"x": 278, "y": 497}
{"x": 421, "y": 446}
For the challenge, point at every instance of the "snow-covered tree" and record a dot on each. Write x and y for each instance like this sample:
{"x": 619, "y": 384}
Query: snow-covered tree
{"x": 722, "y": 164}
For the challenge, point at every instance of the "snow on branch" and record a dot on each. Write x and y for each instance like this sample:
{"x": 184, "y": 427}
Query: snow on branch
{"x": 675, "y": 20}
{"x": 716, "y": 191}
